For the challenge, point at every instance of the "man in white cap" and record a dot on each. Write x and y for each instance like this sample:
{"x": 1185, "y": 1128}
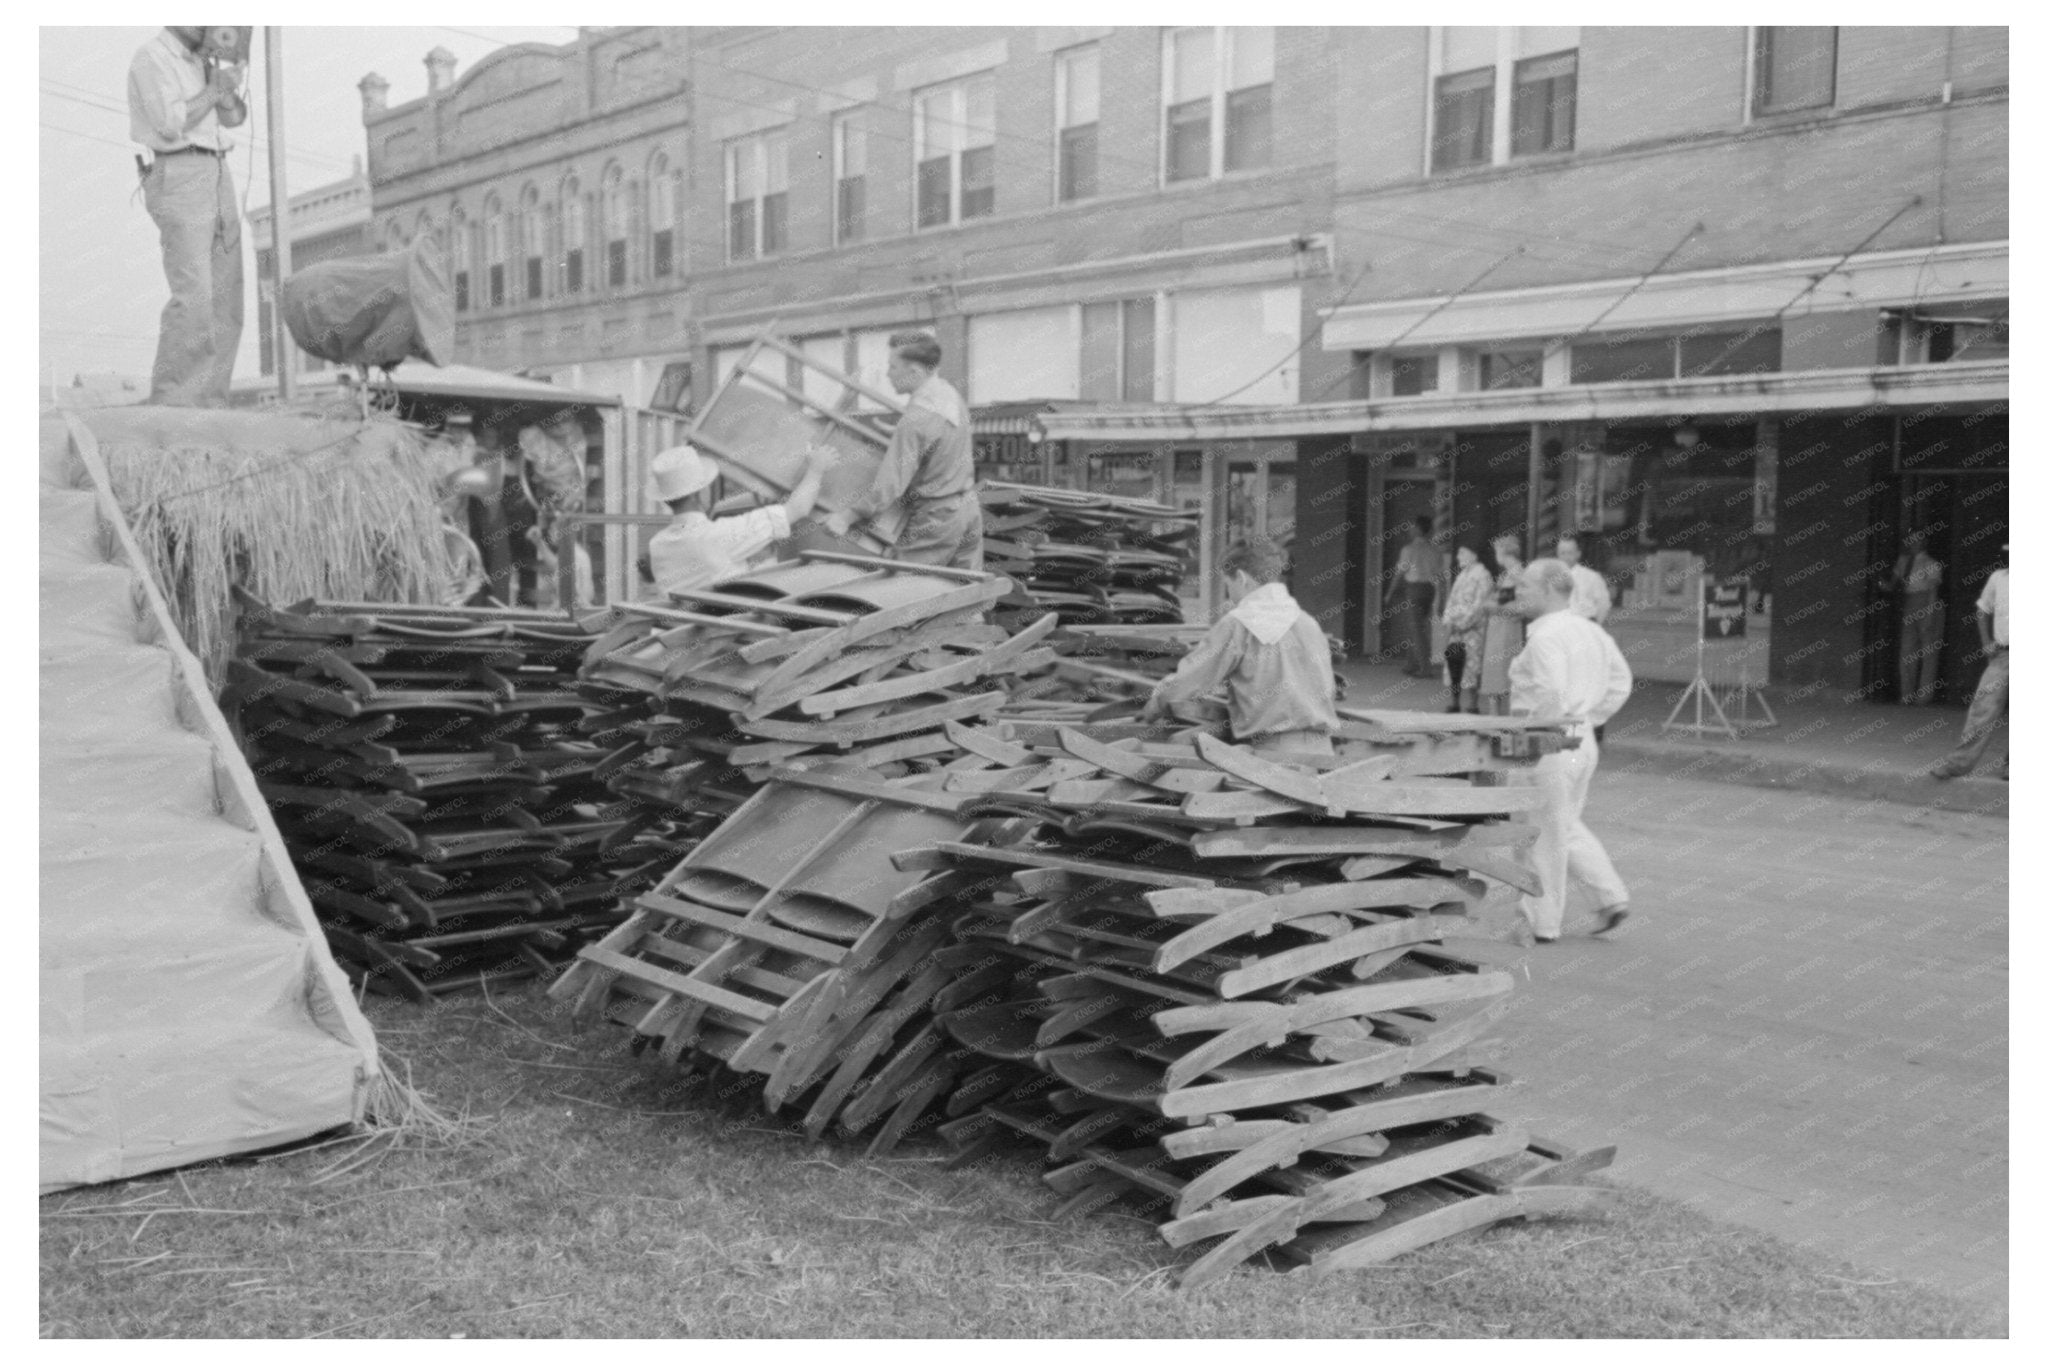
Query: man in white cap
{"x": 694, "y": 550}
{"x": 1988, "y": 703}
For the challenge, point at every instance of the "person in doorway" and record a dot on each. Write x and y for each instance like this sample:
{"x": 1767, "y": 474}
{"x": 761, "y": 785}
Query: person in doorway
{"x": 1502, "y": 639}
{"x": 1569, "y": 671}
{"x": 174, "y": 111}
{"x": 929, "y": 466}
{"x": 1590, "y": 597}
{"x": 1988, "y": 703}
{"x": 694, "y": 550}
{"x": 1465, "y": 628}
{"x": 1415, "y": 577}
{"x": 1268, "y": 656}
{"x": 1917, "y": 580}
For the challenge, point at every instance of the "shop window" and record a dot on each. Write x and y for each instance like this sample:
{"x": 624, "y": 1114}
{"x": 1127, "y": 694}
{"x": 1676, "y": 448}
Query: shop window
{"x": 1794, "y": 69}
{"x": 953, "y": 135}
{"x": 1510, "y": 369}
{"x": 1117, "y": 351}
{"x": 672, "y": 390}
{"x": 1218, "y": 101}
{"x": 1410, "y": 375}
{"x": 1077, "y": 95}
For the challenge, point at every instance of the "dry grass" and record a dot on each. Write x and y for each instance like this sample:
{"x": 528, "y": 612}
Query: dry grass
{"x": 581, "y": 1192}
{"x": 292, "y": 508}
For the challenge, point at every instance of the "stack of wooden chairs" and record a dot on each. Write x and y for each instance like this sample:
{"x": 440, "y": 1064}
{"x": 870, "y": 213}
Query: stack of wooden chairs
{"x": 1230, "y": 992}
{"x": 424, "y": 766}
{"x": 1094, "y": 558}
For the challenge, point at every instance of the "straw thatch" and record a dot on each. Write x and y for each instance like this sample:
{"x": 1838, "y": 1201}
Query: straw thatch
{"x": 288, "y": 507}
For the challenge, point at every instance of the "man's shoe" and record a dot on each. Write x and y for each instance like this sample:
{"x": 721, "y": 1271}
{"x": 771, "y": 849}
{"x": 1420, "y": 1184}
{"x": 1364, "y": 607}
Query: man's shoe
{"x": 1610, "y": 920}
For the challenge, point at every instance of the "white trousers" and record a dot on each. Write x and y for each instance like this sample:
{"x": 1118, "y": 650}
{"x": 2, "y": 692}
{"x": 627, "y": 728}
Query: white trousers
{"x": 1565, "y": 850}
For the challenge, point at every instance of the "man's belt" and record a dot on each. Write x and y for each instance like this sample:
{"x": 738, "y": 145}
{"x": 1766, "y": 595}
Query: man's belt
{"x": 204, "y": 151}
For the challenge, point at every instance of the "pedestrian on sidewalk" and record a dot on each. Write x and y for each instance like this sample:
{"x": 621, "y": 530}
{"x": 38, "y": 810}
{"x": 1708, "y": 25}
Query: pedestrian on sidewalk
{"x": 1917, "y": 579}
{"x": 1590, "y": 597}
{"x": 1465, "y": 629}
{"x": 1988, "y": 705}
{"x": 1415, "y": 577}
{"x": 1569, "y": 671}
{"x": 174, "y": 110}
{"x": 1266, "y": 655}
{"x": 1503, "y": 634}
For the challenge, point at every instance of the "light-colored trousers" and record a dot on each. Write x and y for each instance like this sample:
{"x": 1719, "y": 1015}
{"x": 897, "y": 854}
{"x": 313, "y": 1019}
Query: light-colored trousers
{"x": 192, "y": 199}
{"x": 1565, "y": 850}
{"x": 1987, "y": 708}
{"x": 1920, "y": 631}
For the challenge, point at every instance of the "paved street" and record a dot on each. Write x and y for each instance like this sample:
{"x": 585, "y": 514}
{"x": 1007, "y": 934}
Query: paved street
{"x": 1803, "y": 1028}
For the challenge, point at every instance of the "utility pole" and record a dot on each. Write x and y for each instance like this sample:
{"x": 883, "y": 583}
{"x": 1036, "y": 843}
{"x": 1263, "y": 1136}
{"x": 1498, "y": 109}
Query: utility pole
{"x": 280, "y": 206}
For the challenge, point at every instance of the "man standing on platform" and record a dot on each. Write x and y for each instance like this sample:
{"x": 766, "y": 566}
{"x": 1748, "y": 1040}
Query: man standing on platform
{"x": 1568, "y": 671}
{"x": 929, "y": 465}
{"x": 1415, "y": 577}
{"x": 1988, "y": 705}
{"x": 174, "y": 111}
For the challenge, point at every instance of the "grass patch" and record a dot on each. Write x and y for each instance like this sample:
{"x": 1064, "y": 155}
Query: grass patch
{"x": 587, "y": 1194}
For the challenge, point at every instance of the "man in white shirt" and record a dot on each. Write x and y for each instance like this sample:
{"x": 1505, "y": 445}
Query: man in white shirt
{"x": 1988, "y": 705}
{"x": 1590, "y": 597}
{"x": 694, "y": 550}
{"x": 1415, "y": 577}
{"x": 1571, "y": 671}
{"x": 173, "y": 111}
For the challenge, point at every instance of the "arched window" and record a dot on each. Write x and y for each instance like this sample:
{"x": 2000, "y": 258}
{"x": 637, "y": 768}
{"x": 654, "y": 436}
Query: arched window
{"x": 532, "y": 239}
{"x": 612, "y": 211}
{"x": 494, "y": 250}
{"x": 572, "y": 237}
{"x": 661, "y": 217}
{"x": 461, "y": 262}
{"x": 423, "y": 226}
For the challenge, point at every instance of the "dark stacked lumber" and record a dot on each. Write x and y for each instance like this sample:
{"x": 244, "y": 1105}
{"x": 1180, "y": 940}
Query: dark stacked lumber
{"x": 424, "y": 766}
{"x": 1237, "y": 995}
{"x": 1092, "y": 557}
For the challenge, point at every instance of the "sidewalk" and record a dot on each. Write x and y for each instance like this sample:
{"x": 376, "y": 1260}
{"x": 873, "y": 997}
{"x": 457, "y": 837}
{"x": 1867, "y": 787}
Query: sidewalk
{"x": 1874, "y": 750}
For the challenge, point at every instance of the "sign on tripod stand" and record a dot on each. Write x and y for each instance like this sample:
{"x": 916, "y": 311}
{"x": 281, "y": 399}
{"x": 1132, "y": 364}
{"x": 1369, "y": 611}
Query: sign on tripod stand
{"x": 1722, "y": 630}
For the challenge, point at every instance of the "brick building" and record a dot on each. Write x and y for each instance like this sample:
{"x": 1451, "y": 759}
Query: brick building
{"x": 1748, "y": 323}
{"x": 554, "y": 176}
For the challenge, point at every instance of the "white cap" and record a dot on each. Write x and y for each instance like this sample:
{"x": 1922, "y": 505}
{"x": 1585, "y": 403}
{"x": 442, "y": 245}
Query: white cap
{"x": 680, "y": 471}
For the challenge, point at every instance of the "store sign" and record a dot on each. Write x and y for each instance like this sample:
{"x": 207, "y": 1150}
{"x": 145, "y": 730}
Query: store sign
{"x": 1725, "y": 611}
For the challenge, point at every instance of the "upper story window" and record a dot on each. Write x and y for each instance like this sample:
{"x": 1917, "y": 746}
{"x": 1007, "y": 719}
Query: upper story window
{"x": 1794, "y": 68}
{"x": 1634, "y": 357}
{"x": 953, "y": 135}
{"x": 573, "y": 237}
{"x": 849, "y": 176}
{"x": 661, "y": 218}
{"x": 757, "y": 195}
{"x": 1077, "y": 98}
{"x": 1511, "y": 369}
{"x": 1500, "y": 93}
{"x": 461, "y": 262}
{"x": 1219, "y": 101}
{"x": 613, "y": 215}
{"x": 1117, "y": 350}
{"x": 494, "y": 251}
{"x": 532, "y": 240}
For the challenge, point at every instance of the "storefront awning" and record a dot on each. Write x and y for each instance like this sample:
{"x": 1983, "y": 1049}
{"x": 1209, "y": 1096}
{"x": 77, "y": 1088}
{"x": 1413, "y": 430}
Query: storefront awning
{"x": 1880, "y": 387}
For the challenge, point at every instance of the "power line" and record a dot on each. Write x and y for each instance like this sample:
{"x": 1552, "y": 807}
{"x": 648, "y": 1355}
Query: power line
{"x": 254, "y": 139}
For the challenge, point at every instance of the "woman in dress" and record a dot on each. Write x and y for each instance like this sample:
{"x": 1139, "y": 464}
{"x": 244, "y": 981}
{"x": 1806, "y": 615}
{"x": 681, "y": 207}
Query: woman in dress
{"x": 1917, "y": 577}
{"x": 1465, "y": 628}
{"x": 1502, "y": 637}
